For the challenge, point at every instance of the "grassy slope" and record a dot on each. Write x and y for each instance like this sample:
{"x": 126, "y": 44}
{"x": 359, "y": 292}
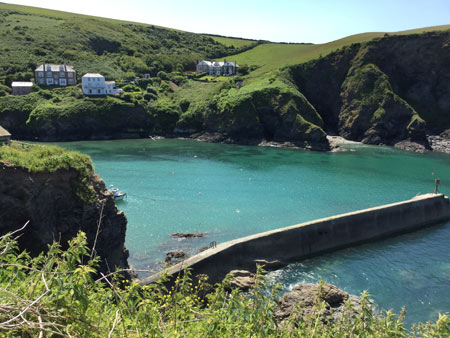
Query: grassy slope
{"x": 236, "y": 42}
{"x": 32, "y": 35}
{"x": 273, "y": 56}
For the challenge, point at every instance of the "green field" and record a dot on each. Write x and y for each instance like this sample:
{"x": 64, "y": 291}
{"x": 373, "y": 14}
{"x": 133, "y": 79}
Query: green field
{"x": 273, "y": 56}
{"x": 236, "y": 42}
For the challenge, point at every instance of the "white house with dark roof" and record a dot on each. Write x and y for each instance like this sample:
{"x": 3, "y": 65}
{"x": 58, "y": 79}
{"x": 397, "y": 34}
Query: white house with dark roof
{"x": 225, "y": 68}
{"x": 49, "y": 74}
{"x": 95, "y": 84}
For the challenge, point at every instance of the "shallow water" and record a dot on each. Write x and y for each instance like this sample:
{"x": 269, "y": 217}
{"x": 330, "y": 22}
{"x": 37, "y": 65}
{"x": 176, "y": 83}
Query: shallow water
{"x": 229, "y": 191}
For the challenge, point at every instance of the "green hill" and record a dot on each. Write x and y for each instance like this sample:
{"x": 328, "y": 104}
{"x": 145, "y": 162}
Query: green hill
{"x": 274, "y": 55}
{"x": 380, "y": 88}
{"x": 32, "y": 35}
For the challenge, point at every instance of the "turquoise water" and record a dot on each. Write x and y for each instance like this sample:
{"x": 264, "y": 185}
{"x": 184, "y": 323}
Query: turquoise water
{"x": 229, "y": 191}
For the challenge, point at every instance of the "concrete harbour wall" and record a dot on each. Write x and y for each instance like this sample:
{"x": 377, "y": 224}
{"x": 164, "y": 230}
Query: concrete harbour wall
{"x": 281, "y": 246}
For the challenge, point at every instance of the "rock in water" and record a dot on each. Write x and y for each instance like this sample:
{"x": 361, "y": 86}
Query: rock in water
{"x": 242, "y": 279}
{"x": 174, "y": 257}
{"x": 300, "y": 301}
{"x": 187, "y": 235}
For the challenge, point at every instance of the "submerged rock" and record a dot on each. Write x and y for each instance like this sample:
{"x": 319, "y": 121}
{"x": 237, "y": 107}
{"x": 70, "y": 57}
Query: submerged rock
{"x": 187, "y": 235}
{"x": 175, "y": 256}
{"x": 301, "y": 300}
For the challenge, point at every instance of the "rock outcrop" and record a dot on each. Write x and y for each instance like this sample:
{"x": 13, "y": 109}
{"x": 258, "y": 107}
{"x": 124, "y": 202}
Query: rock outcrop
{"x": 174, "y": 257}
{"x": 301, "y": 300}
{"x": 242, "y": 279}
{"x": 384, "y": 91}
{"x": 48, "y": 200}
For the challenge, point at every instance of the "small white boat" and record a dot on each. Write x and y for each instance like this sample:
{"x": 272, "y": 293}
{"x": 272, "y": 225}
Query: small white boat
{"x": 118, "y": 195}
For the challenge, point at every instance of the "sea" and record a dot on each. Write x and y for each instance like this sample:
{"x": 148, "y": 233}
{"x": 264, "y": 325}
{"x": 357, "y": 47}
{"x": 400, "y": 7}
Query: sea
{"x": 230, "y": 191}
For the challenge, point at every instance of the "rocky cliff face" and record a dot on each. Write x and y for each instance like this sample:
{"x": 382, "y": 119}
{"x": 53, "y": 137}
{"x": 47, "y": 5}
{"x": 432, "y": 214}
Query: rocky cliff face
{"x": 384, "y": 91}
{"x": 56, "y": 213}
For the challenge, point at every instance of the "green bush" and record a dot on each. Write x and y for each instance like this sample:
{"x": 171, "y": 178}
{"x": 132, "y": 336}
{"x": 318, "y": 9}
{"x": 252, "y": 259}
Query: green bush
{"x": 163, "y": 75}
{"x": 184, "y": 105}
{"x": 152, "y": 90}
{"x": 55, "y": 294}
{"x": 150, "y": 96}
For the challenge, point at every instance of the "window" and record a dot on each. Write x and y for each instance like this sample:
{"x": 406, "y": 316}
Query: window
{"x": 40, "y": 74}
{"x": 98, "y": 79}
{"x": 63, "y": 82}
{"x": 49, "y": 81}
{"x": 69, "y": 75}
{"x": 99, "y": 91}
{"x": 90, "y": 91}
{"x": 70, "y": 81}
{"x": 62, "y": 74}
{"x": 41, "y": 81}
{"x": 61, "y": 68}
{"x": 89, "y": 79}
{"x": 49, "y": 74}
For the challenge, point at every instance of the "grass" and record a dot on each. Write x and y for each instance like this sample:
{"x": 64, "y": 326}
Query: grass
{"x": 49, "y": 159}
{"x": 37, "y": 158}
{"x": 236, "y": 42}
{"x": 272, "y": 56}
{"x": 115, "y": 48}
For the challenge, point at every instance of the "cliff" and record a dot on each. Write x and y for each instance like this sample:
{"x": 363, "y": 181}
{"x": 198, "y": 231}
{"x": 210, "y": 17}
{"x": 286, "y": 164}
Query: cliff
{"x": 59, "y": 198}
{"x": 383, "y": 91}
{"x": 392, "y": 90}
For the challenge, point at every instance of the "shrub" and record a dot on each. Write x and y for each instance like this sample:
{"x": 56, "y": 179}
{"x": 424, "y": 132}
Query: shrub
{"x": 150, "y": 96}
{"x": 63, "y": 298}
{"x": 163, "y": 75}
{"x": 184, "y": 105}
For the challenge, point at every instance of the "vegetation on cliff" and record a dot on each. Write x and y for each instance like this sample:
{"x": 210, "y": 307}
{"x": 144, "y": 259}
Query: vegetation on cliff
{"x": 381, "y": 92}
{"x": 374, "y": 87}
{"x": 35, "y": 158}
{"x": 57, "y": 194}
{"x": 55, "y": 294}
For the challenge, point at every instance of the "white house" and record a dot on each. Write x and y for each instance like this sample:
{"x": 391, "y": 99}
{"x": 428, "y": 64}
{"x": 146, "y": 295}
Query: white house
{"x": 95, "y": 84}
{"x": 226, "y": 68}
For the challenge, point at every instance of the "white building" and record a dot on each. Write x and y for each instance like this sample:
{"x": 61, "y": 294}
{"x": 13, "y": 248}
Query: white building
{"x": 95, "y": 84}
{"x": 225, "y": 68}
{"x": 21, "y": 88}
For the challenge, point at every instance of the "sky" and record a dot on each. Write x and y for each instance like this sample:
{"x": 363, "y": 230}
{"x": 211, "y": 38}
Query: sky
{"x": 316, "y": 21}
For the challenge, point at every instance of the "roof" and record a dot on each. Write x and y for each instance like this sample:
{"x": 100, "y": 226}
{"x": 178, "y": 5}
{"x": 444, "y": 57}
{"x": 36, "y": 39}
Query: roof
{"x": 54, "y": 67}
{"x": 21, "y": 84}
{"x": 4, "y": 132}
{"x": 110, "y": 83}
{"x": 218, "y": 63}
{"x": 231, "y": 63}
{"x": 93, "y": 75}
